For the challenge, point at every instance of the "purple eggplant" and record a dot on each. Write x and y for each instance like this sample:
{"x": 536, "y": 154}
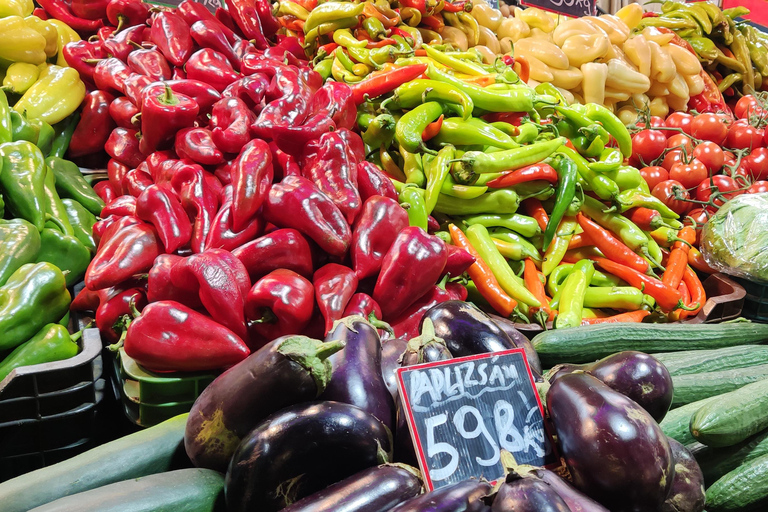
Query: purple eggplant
{"x": 375, "y": 489}
{"x": 520, "y": 340}
{"x": 464, "y": 496}
{"x": 301, "y": 450}
{"x": 576, "y": 501}
{"x": 391, "y": 352}
{"x": 356, "y": 377}
{"x": 639, "y": 376}
{"x": 687, "y": 494}
{"x": 287, "y": 371}
{"x": 527, "y": 495}
{"x": 465, "y": 329}
{"x": 615, "y": 451}
{"x": 404, "y": 450}
{"x": 426, "y": 348}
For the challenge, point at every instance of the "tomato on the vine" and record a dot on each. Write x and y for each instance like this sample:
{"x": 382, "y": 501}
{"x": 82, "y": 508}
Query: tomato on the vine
{"x": 647, "y": 146}
{"x": 654, "y": 175}
{"x": 748, "y": 106}
{"x": 757, "y": 163}
{"x": 725, "y": 185}
{"x": 758, "y": 187}
{"x": 700, "y": 216}
{"x": 668, "y": 192}
{"x": 709, "y": 127}
{"x": 710, "y": 154}
{"x": 682, "y": 141}
{"x": 679, "y": 120}
{"x": 656, "y": 122}
{"x": 671, "y": 158}
{"x": 690, "y": 174}
{"x": 742, "y": 135}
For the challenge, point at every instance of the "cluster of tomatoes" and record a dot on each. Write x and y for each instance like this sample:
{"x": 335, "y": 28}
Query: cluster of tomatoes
{"x": 694, "y": 163}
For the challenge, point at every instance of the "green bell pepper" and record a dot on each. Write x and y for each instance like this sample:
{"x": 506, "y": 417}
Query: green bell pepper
{"x": 22, "y": 181}
{"x": 23, "y": 129}
{"x": 82, "y": 222}
{"x": 71, "y": 184}
{"x": 55, "y": 211}
{"x": 19, "y": 245}
{"x": 35, "y": 295}
{"x": 51, "y": 343}
{"x": 63, "y": 135}
{"x": 45, "y": 135}
{"x": 66, "y": 252}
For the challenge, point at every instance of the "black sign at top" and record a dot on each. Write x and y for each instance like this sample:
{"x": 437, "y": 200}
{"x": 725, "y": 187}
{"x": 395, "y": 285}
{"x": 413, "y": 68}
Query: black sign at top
{"x": 463, "y": 412}
{"x": 575, "y": 8}
{"x": 211, "y": 5}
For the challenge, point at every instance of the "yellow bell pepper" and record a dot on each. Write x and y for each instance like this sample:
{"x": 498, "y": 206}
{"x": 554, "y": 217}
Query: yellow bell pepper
{"x": 16, "y": 8}
{"x": 546, "y": 52}
{"x": 66, "y": 35}
{"x": 53, "y": 97}
{"x": 623, "y": 78}
{"x": 583, "y": 48}
{"x": 20, "y": 76}
{"x": 48, "y": 31}
{"x": 593, "y": 84}
{"x": 662, "y": 66}
{"x": 638, "y": 52}
{"x": 631, "y": 15}
{"x": 19, "y": 43}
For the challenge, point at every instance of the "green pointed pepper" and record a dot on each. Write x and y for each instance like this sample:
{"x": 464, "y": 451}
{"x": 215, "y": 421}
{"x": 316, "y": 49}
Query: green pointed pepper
{"x": 66, "y": 252}
{"x": 71, "y": 184}
{"x": 51, "y": 343}
{"x": 22, "y": 181}
{"x": 19, "y": 244}
{"x": 82, "y": 222}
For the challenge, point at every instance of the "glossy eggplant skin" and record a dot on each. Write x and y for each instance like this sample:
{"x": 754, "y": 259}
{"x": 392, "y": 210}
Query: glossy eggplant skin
{"x": 576, "y": 501}
{"x": 637, "y": 375}
{"x": 687, "y": 494}
{"x": 528, "y": 495}
{"x": 391, "y": 352}
{"x": 405, "y": 453}
{"x": 356, "y": 377}
{"x": 376, "y": 489}
{"x": 466, "y": 330}
{"x": 301, "y": 450}
{"x": 463, "y": 496}
{"x": 615, "y": 451}
{"x": 428, "y": 353}
{"x": 520, "y": 340}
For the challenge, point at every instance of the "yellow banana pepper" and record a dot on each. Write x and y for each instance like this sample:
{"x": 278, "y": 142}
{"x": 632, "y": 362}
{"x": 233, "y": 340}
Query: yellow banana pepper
{"x": 638, "y": 52}
{"x": 20, "y": 76}
{"x": 16, "y": 8}
{"x": 593, "y": 84}
{"x": 583, "y": 48}
{"x": 53, "y": 97}
{"x": 631, "y": 15}
{"x": 623, "y": 78}
{"x": 66, "y": 35}
{"x": 573, "y": 27}
{"x": 546, "y": 52}
{"x": 48, "y": 31}
{"x": 662, "y": 66}
{"x": 19, "y": 43}
{"x": 471, "y": 26}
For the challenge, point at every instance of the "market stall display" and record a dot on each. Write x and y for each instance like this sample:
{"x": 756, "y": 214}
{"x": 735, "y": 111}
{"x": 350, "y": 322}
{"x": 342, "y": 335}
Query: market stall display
{"x": 268, "y": 209}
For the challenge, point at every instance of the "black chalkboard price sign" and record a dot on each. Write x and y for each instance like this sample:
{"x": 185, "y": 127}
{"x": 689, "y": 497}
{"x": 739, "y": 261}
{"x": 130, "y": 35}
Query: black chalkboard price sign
{"x": 463, "y": 412}
{"x": 574, "y": 8}
{"x": 212, "y": 5}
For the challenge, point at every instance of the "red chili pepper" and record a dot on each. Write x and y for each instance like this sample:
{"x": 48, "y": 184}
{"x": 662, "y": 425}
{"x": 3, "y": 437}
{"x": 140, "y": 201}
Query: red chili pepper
{"x": 127, "y": 12}
{"x": 203, "y": 94}
{"x": 433, "y": 22}
{"x": 61, "y": 11}
{"x": 130, "y": 251}
{"x": 540, "y": 171}
{"x": 458, "y": 261}
{"x": 95, "y": 125}
{"x": 645, "y": 218}
{"x": 611, "y": 246}
{"x": 246, "y": 17}
{"x": 109, "y": 75}
{"x": 123, "y": 146}
{"x": 371, "y": 181}
{"x": 40, "y": 13}
{"x": 199, "y": 201}
{"x": 164, "y": 211}
{"x": 336, "y": 99}
{"x": 406, "y": 325}
{"x": 122, "y": 111}
{"x": 296, "y": 203}
{"x": 432, "y": 129}
{"x": 81, "y": 55}
{"x": 149, "y": 62}
{"x": 375, "y": 230}
{"x": 678, "y": 257}
{"x": 397, "y": 31}
{"x": 580, "y": 240}
{"x": 508, "y": 60}
{"x": 629, "y": 316}
{"x": 696, "y": 260}
{"x": 252, "y": 175}
{"x": 289, "y": 97}
{"x": 121, "y": 44}
{"x": 137, "y": 181}
{"x": 668, "y": 298}
{"x": 111, "y": 310}
{"x": 105, "y": 191}
{"x": 363, "y": 305}
{"x": 334, "y": 286}
{"x": 381, "y": 43}
{"x": 279, "y": 304}
{"x": 385, "y": 82}
{"x": 534, "y": 208}
{"x": 169, "y": 336}
{"x": 164, "y": 115}
{"x": 172, "y": 36}
{"x": 282, "y": 248}
{"x": 457, "y": 291}
{"x": 122, "y": 206}
{"x": 457, "y": 7}
{"x": 698, "y": 296}
{"x": 250, "y": 90}
{"x": 197, "y": 145}
{"x": 208, "y": 34}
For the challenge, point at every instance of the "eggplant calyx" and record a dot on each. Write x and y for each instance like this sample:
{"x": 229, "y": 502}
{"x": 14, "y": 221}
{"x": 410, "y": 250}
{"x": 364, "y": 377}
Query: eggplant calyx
{"x": 383, "y": 456}
{"x": 348, "y": 322}
{"x": 427, "y": 336}
{"x": 312, "y": 355}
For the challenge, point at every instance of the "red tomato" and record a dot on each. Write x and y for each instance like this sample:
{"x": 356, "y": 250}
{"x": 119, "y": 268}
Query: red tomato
{"x": 742, "y": 135}
{"x": 743, "y": 174}
{"x": 681, "y": 140}
{"x": 748, "y": 106}
{"x": 671, "y": 158}
{"x": 690, "y": 174}
{"x": 679, "y": 120}
{"x": 758, "y": 187}
{"x": 669, "y": 191}
{"x": 765, "y": 138}
{"x": 654, "y": 175}
{"x": 656, "y": 122}
{"x": 726, "y": 185}
{"x": 647, "y": 146}
{"x": 711, "y": 155}
{"x": 757, "y": 163}
{"x": 709, "y": 127}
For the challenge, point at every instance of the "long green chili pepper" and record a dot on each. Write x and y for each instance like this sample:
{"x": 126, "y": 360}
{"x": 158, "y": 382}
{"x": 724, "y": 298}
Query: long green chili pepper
{"x": 588, "y": 148}
{"x": 414, "y": 93}
{"x": 375, "y": 28}
{"x": 413, "y": 168}
{"x": 567, "y": 174}
{"x": 324, "y": 68}
{"x": 617, "y": 297}
{"x": 605, "y": 188}
{"x": 343, "y": 57}
{"x": 410, "y": 127}
{"x": 457, "y": 64}
{"x": 481, "y": 240}
{"x": 554, "y": 254}
{"x": 510, "y": 237}
{"x": 576, "y": 116}
{"x": 473, "y": 131}
{"x": 572, "y": 294}
{"x": 506, "y": 128}
{"x": 413, "y": 198}
{"x": 63, "y": 131}
{"x": 380, "y": 131}
{"x": 453, "y": 189}
{"x": 526, "y": 226}
{"x": 633, "y": 198}
{"x": 627, "y": 177}
{"x": 498, "y": 201}
{"x": 613, "y": 124}
{"x": 527, "y": 133}
{"x": 729, "y": 80}
{"x": 610, "y": 160}
{"x": 539, "y": 189}
{"x": 477, "y": 162}
{"x": 654, "y": 252}
{"x": 437, "y": 171}
{"x": 558, "y": 275}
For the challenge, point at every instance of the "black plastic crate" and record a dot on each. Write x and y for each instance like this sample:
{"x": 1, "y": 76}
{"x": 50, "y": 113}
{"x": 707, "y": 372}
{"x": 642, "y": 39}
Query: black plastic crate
{"x": 756, "y": 300}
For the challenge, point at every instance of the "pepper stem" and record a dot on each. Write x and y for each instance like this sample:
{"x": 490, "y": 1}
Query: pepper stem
{"x": 117, "y": 346}
{"x": 267, "y": 317}
{"x": 79, "y": 334}
{"x": 168, "y": 98}
{"x": 693, "y": 307}
{"x": 135, "y": 313}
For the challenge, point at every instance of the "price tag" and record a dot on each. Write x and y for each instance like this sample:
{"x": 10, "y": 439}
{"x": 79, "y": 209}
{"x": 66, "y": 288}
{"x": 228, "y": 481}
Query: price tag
{"x": 211, "y": 5}
{"x": 574, "y": 8}
{"x": 463, "y": 412}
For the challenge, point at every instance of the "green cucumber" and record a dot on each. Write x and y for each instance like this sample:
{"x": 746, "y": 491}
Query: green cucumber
{"x": 743, "y": 489}
{"x": 590, "y": 342}
{"x": 716, "y": 462}
{"x": 698, "y": 386}
{"x": 702, "y": 361}
{"x": 184, "y": 490}
{"x": 154, "y": 450}
{"x": 676, "y": 424}
{"x": 732, "y": 417}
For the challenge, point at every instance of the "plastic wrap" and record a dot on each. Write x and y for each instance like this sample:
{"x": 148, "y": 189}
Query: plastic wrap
{"x": 735, "y": 239}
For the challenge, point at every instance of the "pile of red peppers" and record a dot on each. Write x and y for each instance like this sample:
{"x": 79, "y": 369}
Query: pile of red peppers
{"x": 239, "y": 205}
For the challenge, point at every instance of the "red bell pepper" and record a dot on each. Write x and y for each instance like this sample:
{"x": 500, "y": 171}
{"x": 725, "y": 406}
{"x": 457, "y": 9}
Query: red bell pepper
{"x": 137, "y": 181}
{"x": 336, "y": 98}
{"x": 225, "y": 18}
{"x": 160, "y": 287}
{"x": 121, "y": 44}
{"x": 169, "y": 336}
{"x": 61, "y": 11}
{"x": 123, "y": 112}
{"x": 211, "y": 67}
{"x": 109, "y": 75}
{"x": 375, "y": 230}
{"x": 112, "y": 309}
{"x": 458, "y": 261}
{"x": 334, "y": 173}
{"x": 223, "y": 173}
{"x": 123, "y": 206}
{"x": 355, "y": 145}
{"x": 283, "y": 163}
{"x": 171, "y": 34}
{"x": 252, "y": 175}
{"x": 410, "y": 268}
{"x": 256, "y": 62}
{"x": 540, "y": 171}
{"x": 149, "y": 62}
{"x": 162, "y": 209}
{"x": 250, "y": 90}
{"x": 123, "y": 146}
{"x": 457, "y": 291}
{"x": 246, "y": 17}
{"x": 193, "y": 12}
{"x": 95, "y": 125}
{"x": 105, "y": 191}
{"x": 363, "y": 305}
{"x": 293, "y": 139}
{"x": 86, "y": 300}
{"x": 82, "y": 56}
{"x": 116, "y": 171}
{"x": 208, "y": 34}
{"x": 89, "y": 9}
{"x": 282, "y": 248}
{"x": 371, "y": 181}
{"x": 134, "y": 86}
{"x": 197, "y": 145}
{"x": 123, "y": 13}
{"x": 199, "y": 201}
{"x": 204, "y": 95}
{"x": 222, "y": 236}
{"x": 230, "y": 121}
{"x": 221, "y": 282}
{"x": 129, "y": 251}
{"x": 279, "y": 304}
{"x": 385, "y": 82}
{"x": 289, "y": 97}
{"x": 334, "y": 286}
{"x": 406, "y": 325}
{"x": 106, "y": 228}
{"x": 164, "y": 115}
{"x": 156, "y": 160}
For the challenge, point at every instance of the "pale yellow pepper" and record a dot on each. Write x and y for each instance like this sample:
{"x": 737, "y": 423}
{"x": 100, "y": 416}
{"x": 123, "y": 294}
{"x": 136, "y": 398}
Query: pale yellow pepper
{"x": 593, "y": 84}
{"x": 536, "y": 18}
{"x": 574, "y": 27}
{"x": 662, "y": 66}
{"x": 631, "y": 15}
{"x": 16, "y": 8}
{"x": 48, "y": 31}
{"x": 53, "y": 97}
{"x": 546, "y": 52}
{"x": 583, "y": 48}
{"x": 638, "y": 52}
{"x": 19, "y": 43}
{"x": 626, "y": 79}
{"x": 66, "y": 35}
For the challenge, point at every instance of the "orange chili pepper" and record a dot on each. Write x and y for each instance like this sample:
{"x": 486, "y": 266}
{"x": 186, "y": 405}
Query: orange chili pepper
{"x": 307, "y": 4}
{"x": 522, "y": 67}
{"x": 381, "y": 43}
{"x": 482, "y": 81}
{"x": 678, "y": 257}
{"x": 433, "y": 22}
{"x": 536, "y": 287}
{"x": 629, "y": 316}
{"x": 580, "y": 240}
{"x": 371, "y": 11}
{"x": 667, "y": 298}
{"x": 534, "y": 209}
{"x": 611, "y": 246}
{"x": 696, "y": 260}
{"x": 432, "y": 129}
{"x": 696, "y": 289}
{"x": 483, "y": 277}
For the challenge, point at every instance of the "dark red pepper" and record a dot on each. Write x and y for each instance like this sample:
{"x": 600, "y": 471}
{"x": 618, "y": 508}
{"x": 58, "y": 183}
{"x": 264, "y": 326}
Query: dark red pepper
{"x": 371, "y": 181}
{"x": 211, "y": 67}
{"x": 282, "y": 248}
{"x": 297, "y": 203}
{"x": 116, "y": 171}
{"x": 223, "y": 173}
{"x": 137, "y": 181}
{"x": 257, "y": 62}
{"x": 293, "y": 139}
{"x": 284, "y": 164}
{"x": 199, "y": 201}
{"x": 252, "y": 175}
{"x": 105, "y": 191}
{"x": 410, "y": 268}
{"x": 355, "y": 144}
{"x": 95, "y": 125}
{"x": 60, "y": 10}
{"x": 162, "y": 209}
{"x": 127, "y": 12}
{"x": 457, "y": 291}
{"x": 122, "y": 111}
{"x": 279, "y": 304}
{"x": 134, "y": 86}
{"x": 246, "y": 17}
{"x": 122, "y": 206}
{"x": 120, "y": 44}
{"x": 106, "y": 228}
{"x": 406, "y": 325}
{"x": 164, "y": 115}
{"x": 222, "y": 236}
{"x": 203, "y": 94}
{"x": 269, "y": 24}
{"x": 230, "y": 122}
{"x": 293, "y": 45}
{"x": 81, "y": 55}
{"x": 458, "y": 261}
{"x": 375, "y": 230}
{"x": 225, "y": 18}
{"x": 193, "y": 12}
{"x": 149, "y": 62}
{"x": 197, "y": 145}
{"x": 250, "y": 90}
{"x": 363, "y": 305}
{"x": 89, "y": 9}
{"x": 208, "y": 34}
{"x": 334, "y": 286}
{"x": 109, "y": 75}
{"x": 171, "y": 34}
{"x": 169, "y": 336}
{"x": 159, "y": 286}
{"x": 336, "y": 98}
{"x": 155, "y": 160}
{"x": 123, "y": 146}
{"x": 288, "y": 96}
{"x": 86, "y": 300}
{"x": 112, "y": 309}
